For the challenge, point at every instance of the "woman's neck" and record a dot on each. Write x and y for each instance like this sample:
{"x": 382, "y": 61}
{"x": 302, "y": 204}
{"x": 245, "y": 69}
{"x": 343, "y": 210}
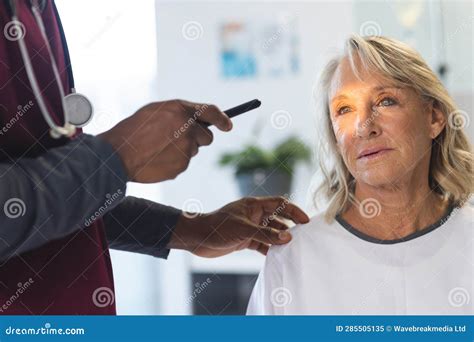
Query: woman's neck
{"x": 388, "y": 213}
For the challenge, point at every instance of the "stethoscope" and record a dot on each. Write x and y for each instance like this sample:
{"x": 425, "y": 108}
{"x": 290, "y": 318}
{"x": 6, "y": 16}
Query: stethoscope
{"x": 76, "y": 107}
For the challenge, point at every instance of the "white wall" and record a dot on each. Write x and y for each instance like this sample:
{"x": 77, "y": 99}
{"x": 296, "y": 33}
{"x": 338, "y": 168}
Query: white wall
{"x": 459, "y": 20}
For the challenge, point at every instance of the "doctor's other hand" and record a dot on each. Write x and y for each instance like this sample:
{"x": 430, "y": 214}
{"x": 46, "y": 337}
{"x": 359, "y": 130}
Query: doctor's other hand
{"x": 159, "y": 140}
{"x": 252, "y": 222}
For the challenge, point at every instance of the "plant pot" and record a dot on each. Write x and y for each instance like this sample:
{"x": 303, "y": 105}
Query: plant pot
{"x": 264, "y": 183}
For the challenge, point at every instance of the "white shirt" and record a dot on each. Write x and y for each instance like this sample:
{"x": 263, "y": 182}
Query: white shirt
{"x": 329, "y": 270}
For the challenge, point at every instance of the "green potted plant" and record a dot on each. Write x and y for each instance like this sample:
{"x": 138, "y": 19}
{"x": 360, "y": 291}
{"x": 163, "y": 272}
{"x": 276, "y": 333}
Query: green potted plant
{"x": 261, "y": 172}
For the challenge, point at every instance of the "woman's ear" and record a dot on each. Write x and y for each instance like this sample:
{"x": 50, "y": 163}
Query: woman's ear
{"x": 437, "y": 120}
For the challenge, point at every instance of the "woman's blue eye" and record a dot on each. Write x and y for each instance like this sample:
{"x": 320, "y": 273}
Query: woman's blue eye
{"x": 343, "y": 110}
{"x": 387, "y": 101}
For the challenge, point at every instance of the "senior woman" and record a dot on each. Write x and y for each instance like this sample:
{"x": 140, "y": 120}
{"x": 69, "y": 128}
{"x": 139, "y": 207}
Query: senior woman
{"x": 396, "y": 234}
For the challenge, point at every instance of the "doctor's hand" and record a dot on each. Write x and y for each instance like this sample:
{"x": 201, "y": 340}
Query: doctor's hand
{"x": 252, "y": 222}
{"x": 159, "y": 140}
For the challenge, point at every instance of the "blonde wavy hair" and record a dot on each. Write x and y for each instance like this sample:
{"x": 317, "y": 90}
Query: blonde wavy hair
{"x": 451, "y": 165}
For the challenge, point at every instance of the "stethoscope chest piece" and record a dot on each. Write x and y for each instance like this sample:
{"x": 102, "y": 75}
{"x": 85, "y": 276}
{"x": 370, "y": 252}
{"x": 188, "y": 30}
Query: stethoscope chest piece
{"x": 79, "y": 109}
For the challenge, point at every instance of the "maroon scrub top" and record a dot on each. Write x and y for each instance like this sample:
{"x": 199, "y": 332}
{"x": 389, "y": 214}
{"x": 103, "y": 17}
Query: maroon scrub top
{"x": 65, "y": 276}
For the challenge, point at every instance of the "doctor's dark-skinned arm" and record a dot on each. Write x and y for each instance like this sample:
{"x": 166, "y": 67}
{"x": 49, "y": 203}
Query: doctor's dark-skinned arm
{"x": 158, "y": 141}
{"x": 250, "y": 223}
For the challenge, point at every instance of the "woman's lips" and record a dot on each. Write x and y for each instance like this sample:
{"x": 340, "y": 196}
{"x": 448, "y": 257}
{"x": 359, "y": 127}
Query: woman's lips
{"x": 375, "y": 155}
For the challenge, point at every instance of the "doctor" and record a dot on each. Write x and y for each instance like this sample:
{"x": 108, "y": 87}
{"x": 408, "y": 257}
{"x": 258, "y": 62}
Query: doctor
{"x": 63, "y": 201}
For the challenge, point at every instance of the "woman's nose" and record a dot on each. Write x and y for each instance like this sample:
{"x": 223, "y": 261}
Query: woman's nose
{"x": 366, "y": 123}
